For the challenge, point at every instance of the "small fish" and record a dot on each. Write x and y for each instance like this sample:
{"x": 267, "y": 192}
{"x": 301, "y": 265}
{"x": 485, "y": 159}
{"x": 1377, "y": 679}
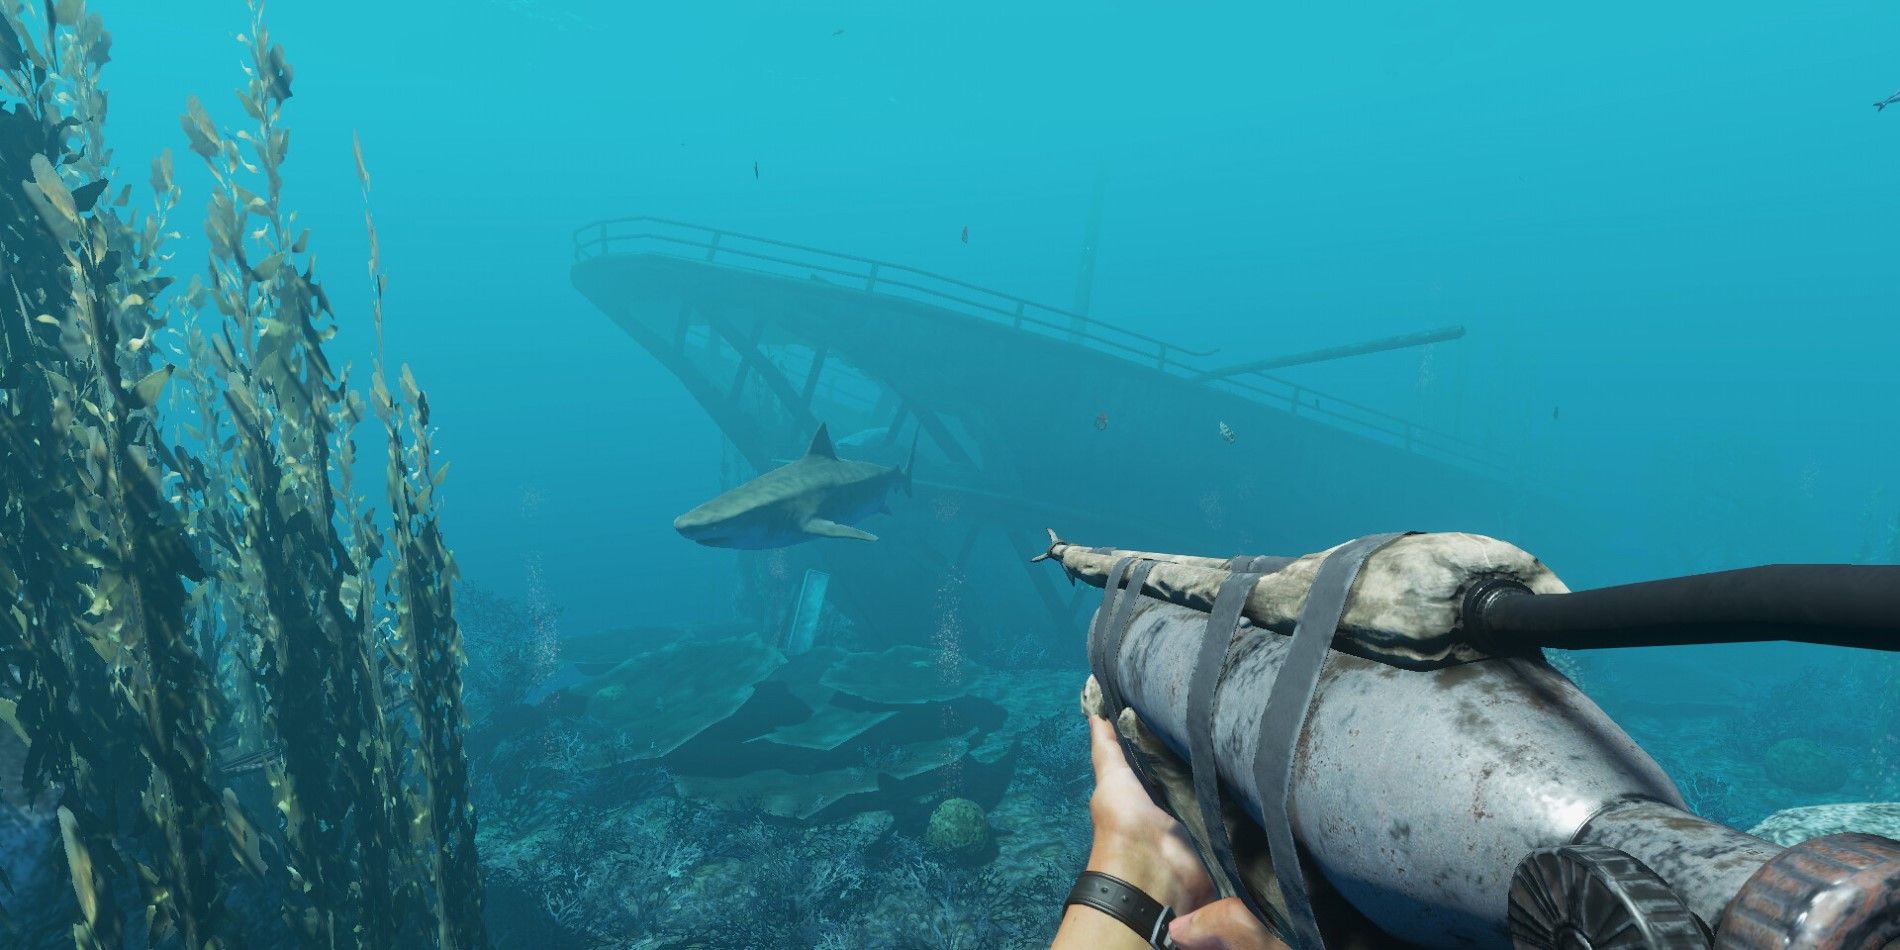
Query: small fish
{"x": 1101, "y": 421}
{"x": 755, "y": 170}
{"x": 1884, "y": 103}
{"x": 838, "y": 32}
{"x": 1553, "y": 413}
{"x": 1227, "y": 433}
{"x": 966, "y": 234}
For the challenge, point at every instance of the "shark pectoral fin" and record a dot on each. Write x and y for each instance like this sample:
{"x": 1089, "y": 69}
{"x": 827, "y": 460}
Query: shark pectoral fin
{"x": 831, "y": 529}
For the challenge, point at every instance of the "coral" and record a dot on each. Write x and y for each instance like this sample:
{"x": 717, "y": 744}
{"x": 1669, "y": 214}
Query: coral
{"x": 957, "y": 828}
{"x": 1032, "y": 699}
{"x": 1707, "y": 796}
{"x": 901, "y": 674}
{"x": 1794, "y": 825}
{"x": 510, "y": 646}
{"x": 1805, "y": 766}
{"x": 596, "y": 653}
{"x": 688, "y": 873}
{"x": 829, "y": 727}
{"x": 778, "y": 792}
{"x": 660, "y": 700}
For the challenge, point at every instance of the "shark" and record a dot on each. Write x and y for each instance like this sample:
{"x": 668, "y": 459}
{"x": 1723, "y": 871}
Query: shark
{"x": 818, "y": 495}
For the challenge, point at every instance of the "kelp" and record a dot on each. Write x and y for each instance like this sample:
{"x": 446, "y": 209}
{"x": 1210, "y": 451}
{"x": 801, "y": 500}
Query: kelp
{"x": 160, "y": 595}
{"x": 425, "y": 639}
{"x": 280, "y": 394}
{"x": 112, "y": 694}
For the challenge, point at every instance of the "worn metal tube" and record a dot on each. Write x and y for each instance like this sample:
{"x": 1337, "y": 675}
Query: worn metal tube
{"x": 1706, "y": 863}
{"x": 1417, "y": 793}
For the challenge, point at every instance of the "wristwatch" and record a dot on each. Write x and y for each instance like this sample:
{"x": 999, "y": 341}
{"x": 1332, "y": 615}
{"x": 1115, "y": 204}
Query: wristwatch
{"x": 1125, "y": 902}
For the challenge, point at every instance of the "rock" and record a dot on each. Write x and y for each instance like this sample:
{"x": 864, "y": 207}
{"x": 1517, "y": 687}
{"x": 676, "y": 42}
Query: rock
{"x": 958, "y": 828}
{"x": 902, "y": 674}
{"x": 778, "y": 792}
{"x": 1805, "y": 766}
{"x": 655, "y": 702}
{"x": 1794, "y": 825}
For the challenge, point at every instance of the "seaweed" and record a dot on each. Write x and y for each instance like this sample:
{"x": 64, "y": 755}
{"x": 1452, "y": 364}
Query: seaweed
{"x": 112, "y": 692}
{"x": 426, "y": 641}
{"x": 162, "y": 594}
{"x": 289, "y": 410}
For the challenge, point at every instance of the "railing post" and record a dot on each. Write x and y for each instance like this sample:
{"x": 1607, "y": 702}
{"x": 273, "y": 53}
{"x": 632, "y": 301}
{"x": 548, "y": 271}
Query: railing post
{"x": 1161, "y": 357}
{"x": 870, "y": 279}
{"x": 712, "y": 247}
{"x": 603, "y": 239}
{"x": 1296, "y": 400}
{"x": 1018, "y": 324}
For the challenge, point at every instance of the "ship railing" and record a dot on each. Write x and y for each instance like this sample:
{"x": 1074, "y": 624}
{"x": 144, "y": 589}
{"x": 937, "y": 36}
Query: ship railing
{"x": 646, "y": 234}
{"x": 730, "y": 248}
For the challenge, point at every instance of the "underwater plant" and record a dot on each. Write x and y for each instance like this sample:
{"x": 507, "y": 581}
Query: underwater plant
{"x": 426, "y": 639}
{"x": 109, "y": 687}
{"x": 290, "y": 412}
{"x": 161, "y": 594}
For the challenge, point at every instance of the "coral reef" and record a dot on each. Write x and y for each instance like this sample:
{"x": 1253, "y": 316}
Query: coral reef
{"x": 767, "y": 829}
{"x": 1794, "y": 825}
{"x": 1709, "y": 796}
{"x": 822, "y": 735}
{"x": 1805, "y": 766}
{"x": 656, "y": 702}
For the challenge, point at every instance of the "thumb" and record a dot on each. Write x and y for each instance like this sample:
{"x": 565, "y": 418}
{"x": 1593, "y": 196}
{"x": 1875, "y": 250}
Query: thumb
{"x": 1105, "y": 751}
{"x": 1226, "y": 924}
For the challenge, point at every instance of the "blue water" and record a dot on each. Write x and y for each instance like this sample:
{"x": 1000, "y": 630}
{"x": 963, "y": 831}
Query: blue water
{"x": 1669, "y": 234}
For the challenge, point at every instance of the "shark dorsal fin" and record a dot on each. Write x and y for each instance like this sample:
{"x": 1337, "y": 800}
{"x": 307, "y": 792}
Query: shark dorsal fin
{"x": 821, "y": 445}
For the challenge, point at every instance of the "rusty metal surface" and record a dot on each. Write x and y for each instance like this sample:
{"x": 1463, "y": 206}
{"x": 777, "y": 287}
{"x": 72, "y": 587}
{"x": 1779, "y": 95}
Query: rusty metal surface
{"x": 1599, "y": 897}
{"x": 1839, "y": 892}
{"x": 1706, "y": 862}
{"x": 1417, "y": 792}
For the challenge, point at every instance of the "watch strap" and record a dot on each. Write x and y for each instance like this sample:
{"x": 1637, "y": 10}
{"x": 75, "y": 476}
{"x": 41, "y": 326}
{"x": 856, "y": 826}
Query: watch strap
{"x": 1125, "y": 902}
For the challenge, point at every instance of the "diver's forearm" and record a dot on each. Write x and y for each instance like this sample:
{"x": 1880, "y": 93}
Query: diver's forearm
{"x": 1085, "y": 928}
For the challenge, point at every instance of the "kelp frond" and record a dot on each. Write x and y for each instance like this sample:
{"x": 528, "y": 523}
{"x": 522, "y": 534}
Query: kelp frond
{"x": 160, "y": 593}
{"x": 115, "y": 697}
{"x": 424, "y": 635}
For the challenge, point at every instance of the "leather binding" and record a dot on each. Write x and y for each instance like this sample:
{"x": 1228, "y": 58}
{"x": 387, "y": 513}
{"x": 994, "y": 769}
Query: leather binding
{"x": 1125, "y": 902}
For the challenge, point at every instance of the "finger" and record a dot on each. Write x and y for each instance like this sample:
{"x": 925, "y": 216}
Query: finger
{"x": 1104, "y": 751}
{"x": 1226, "y": 924}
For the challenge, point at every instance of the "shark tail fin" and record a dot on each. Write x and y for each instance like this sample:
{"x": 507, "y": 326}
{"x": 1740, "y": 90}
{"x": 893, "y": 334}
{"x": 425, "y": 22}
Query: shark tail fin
{"x": 910, "y": 464}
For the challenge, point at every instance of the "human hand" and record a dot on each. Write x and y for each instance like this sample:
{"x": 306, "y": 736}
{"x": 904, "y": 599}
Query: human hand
{"x": 1134, "y": 839}
{"x": 1225, "y": 924}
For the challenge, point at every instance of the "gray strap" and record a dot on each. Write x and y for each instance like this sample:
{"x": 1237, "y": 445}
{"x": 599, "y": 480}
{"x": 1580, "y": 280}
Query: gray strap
{"x": 1099, "y": 661}
{"x": 1263, "y": 564}
{"x": 1105, "y": 647}
{"x": 1111, "y": 648}
{"x": 1285, "y": 717}
{"x": 1203, "y": 694}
